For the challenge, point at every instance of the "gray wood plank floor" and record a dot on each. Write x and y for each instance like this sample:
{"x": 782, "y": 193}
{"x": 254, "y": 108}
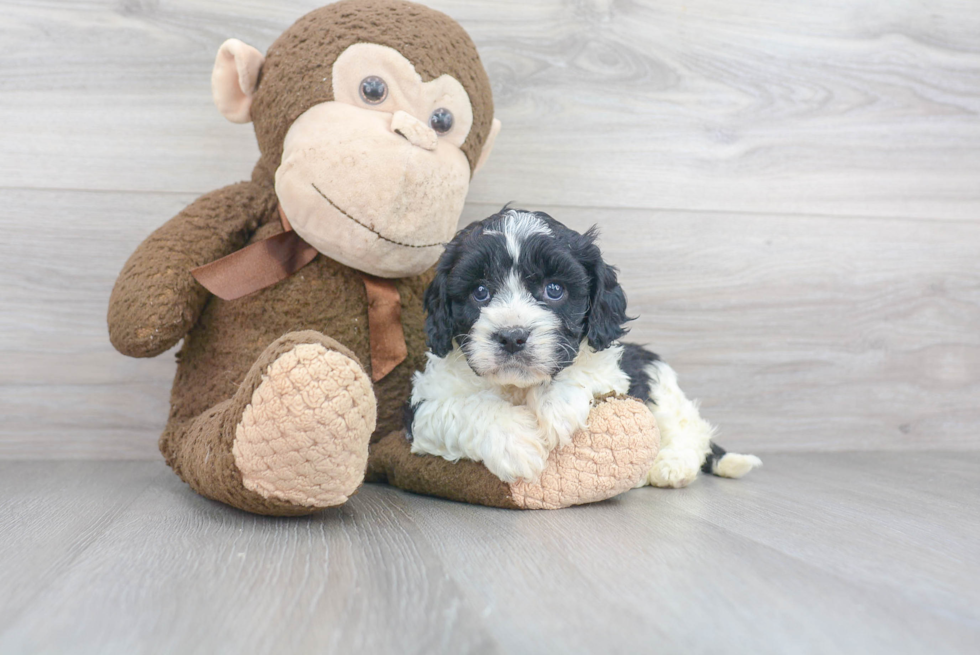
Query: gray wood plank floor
{"x": 819, "y": 553}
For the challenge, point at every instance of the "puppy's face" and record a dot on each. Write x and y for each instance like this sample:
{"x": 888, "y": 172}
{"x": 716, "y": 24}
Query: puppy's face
{"x": 518, "y": 292}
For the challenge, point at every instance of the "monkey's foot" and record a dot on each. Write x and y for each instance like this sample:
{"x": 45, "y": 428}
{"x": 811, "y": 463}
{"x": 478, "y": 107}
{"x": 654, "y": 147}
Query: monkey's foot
{"x": 612, "y": 455}
{"x": 303, "y": 438}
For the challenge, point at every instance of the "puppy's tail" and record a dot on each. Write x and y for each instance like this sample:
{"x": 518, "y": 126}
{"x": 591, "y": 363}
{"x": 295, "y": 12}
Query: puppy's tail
{"x": 728, "y": 465}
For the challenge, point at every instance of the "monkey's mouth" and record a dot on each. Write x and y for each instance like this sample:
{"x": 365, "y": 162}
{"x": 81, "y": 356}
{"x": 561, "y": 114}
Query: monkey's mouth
{"x": 371, "y": 229}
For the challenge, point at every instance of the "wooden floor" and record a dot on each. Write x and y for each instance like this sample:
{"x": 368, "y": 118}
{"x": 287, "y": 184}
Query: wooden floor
{"x": 819, "y": 553}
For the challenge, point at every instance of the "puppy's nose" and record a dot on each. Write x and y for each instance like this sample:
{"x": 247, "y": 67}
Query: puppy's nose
{"x": 512, "y": 339}
{"x": 418, "y": 133}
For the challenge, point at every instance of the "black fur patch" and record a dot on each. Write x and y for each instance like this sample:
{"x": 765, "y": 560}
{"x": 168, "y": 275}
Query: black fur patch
{"x": 634, "y": 363}
{"x": 409, "y": 413}
{"x": 717, "y": 452}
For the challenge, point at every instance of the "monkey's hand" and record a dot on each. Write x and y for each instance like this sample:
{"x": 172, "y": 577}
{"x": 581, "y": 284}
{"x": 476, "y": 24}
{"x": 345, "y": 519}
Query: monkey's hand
{"x": 156, "y": 300}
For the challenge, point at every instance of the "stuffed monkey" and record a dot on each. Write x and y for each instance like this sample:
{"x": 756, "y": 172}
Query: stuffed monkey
{"x": 298, "y": 294}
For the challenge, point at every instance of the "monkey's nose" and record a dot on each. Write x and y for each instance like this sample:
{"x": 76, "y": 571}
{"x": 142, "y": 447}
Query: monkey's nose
{"x": 418, "y": 133}
{"x": 512, "y": 339}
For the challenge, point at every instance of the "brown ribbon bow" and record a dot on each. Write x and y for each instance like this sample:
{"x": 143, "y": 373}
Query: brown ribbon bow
{"x": 266, "y": 262}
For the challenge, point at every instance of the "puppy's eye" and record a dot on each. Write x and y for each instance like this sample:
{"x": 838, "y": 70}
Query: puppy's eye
{"x": 554, "y": 291}
{"x": 373, "y": 90}
{"x": 482, "y": 294}
{"x": 441, "y": 120}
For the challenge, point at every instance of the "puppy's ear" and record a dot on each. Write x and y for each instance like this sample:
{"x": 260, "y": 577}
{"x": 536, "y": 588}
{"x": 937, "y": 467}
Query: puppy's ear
{"x": 438, "y": 314}
{"x": 607, "y": 301}
{"x": 439, "y": 323}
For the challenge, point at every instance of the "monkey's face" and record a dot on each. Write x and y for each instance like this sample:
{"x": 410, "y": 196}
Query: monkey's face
{"x": 376, "y": 179}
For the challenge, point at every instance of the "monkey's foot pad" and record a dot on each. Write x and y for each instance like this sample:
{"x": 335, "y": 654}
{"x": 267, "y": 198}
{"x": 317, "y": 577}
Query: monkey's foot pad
{"x": 304, "y": 436}
{"x": 611, "y": 456}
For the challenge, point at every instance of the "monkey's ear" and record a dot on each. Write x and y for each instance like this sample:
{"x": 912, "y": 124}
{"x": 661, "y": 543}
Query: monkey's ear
{"x": 487, "y": 146}
{"x": 234, "y": 78}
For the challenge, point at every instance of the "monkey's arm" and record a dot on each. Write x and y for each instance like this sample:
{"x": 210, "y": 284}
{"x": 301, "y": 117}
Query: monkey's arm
{"x": 156, "y": 300}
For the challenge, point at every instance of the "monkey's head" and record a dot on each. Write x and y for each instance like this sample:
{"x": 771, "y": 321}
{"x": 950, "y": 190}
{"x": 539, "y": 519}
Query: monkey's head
{"x": 371, "y": 117}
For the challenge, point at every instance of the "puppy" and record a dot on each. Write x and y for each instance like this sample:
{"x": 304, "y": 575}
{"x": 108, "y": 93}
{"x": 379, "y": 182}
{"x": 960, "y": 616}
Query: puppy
{"x": 524, "y": 321}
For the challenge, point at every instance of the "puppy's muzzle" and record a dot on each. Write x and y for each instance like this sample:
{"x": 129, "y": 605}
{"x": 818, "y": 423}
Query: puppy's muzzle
{"x": 512, "y": 340}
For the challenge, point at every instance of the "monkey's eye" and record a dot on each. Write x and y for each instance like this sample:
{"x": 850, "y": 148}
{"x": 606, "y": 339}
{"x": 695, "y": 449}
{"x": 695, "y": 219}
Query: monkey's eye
{"x": 373, "y": 90}
{"x": 554, "y": 291}
{"x": 482, "y": 294}
{"x": 441, "y": 120}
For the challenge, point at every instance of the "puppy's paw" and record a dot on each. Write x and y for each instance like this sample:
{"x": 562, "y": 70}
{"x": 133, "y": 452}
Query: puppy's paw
{"x": 519, "y": 461}
{"x": 560, "y": 422}
{"x": 674, "y": 469}
{"x": 561, "y": 411}
{"x": 516, "y": 449}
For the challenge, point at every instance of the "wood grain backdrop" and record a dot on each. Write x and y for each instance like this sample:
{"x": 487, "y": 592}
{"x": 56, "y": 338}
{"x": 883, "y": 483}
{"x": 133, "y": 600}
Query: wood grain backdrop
{"x": 791, "y": 190}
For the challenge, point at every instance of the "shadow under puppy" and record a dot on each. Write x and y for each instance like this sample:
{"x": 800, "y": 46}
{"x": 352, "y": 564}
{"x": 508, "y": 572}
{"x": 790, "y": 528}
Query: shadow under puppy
{"x": 524, "y": 320}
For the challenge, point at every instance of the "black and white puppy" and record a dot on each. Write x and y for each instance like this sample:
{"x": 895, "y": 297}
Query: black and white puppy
{"x": 524, "y": 321}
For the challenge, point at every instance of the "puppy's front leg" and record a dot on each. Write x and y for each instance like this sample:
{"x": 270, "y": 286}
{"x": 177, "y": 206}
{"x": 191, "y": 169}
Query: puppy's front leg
{"x": 485, "y": 428}
{"x": 563, "y": 404}
{"x": 562, "y": 408}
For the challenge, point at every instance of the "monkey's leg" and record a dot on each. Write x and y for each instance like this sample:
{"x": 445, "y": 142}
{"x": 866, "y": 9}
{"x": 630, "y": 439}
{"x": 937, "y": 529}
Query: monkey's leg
{"x": 612, "y": 455}
{"x": 293, "y": 439}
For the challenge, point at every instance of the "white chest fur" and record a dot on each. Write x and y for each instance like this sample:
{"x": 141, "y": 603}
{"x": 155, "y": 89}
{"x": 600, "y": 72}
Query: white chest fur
{"x": 510, "y": 429}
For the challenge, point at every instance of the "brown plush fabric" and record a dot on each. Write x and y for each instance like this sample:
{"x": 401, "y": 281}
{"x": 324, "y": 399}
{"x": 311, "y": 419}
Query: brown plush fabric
{"x": 199, "y": 448}
{"x": 325, "y": 296}
{"x": 391, "y": 460}
{"x": 297, "y": 72}
{"x": 156, "y": 300}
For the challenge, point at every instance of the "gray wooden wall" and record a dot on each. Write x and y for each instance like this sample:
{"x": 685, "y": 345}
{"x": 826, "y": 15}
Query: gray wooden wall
{"x": 792, "y": 191}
